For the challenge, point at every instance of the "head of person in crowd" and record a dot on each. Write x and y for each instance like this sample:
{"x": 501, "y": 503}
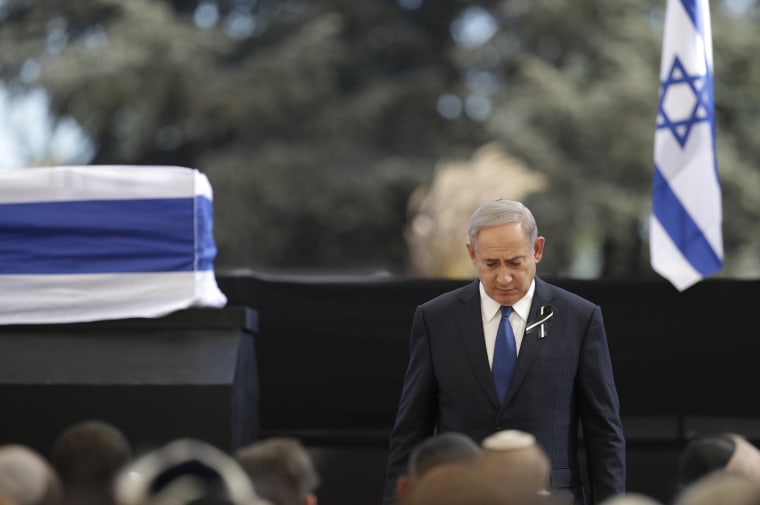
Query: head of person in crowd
{"x": 87, "y": 456}
{"x": 183, "y": 472}
{"x": 720, "y": 487}
{"x": 456, "y": 484}
{"x": 281, "y": 470}
{"x": 26, "y": 478}
{"x": 630, "y": 499}
{"x": 514, "y": 460}
{"x": 721, "y": 451}
{"x": 445, "y": 448}
{"x": 5, "y": 499}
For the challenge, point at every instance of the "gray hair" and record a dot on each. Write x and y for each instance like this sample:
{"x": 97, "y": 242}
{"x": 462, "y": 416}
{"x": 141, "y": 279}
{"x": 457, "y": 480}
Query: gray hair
{"x": 281, "y": 469}
{"x": 449, "y": 447}
{"x": 500, "y": 212}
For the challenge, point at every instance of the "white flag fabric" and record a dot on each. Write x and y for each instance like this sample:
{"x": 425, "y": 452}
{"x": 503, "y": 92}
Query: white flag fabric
{"x": 105, "y": 242}
{"x": 686, "y": 238}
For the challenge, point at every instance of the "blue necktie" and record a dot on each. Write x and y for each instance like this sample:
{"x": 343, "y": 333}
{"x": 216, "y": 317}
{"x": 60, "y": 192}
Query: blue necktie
{"x": 504, "y": 355}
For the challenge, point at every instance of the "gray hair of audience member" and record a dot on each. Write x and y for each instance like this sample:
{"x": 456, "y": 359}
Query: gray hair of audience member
{"x": 630, "y": 499}
{"x": 722, "y": 451}
{"x": 514, "y": 460}
{"x": 90, "y": 453}
{"x": 182, "y": 472}
{"x": 281, "y": 469}
{"x": 449, "y": 447}
{"x": 720, "y": 487}
{"x": 500, "y": 212}
{"x": 27, "y": 478}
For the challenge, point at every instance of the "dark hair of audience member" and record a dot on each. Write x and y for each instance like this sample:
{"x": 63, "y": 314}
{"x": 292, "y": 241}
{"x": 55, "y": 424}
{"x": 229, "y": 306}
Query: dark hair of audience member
{"x": 90, "y": 452}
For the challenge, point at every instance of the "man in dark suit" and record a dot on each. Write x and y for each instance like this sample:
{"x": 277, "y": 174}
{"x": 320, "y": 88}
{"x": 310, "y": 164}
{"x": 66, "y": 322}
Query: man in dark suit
{"x": 558, "y": 374}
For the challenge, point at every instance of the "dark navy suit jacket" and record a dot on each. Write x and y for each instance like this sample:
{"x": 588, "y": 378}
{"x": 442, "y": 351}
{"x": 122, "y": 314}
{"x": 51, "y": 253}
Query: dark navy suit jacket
{"x": 560, "y": 380}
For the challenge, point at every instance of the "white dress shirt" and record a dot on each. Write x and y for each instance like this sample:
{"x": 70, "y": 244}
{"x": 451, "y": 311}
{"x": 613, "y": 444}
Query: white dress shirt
{"x": 491, "y": 313}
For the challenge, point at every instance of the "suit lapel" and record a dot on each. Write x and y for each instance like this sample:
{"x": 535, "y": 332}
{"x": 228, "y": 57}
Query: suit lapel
{"x": 471, "y": 325}
{"x": 531, "y": 344}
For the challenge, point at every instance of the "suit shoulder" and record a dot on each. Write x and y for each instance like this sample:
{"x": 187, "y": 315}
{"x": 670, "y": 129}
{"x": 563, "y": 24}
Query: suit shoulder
{"x": 568, "y": 297}
{"x": 446, "y": 299}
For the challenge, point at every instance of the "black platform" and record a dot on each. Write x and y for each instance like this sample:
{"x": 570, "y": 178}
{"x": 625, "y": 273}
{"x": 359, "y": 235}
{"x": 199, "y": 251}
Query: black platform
{"x": 192, "y": 373}
{"x": 330, "y": 354}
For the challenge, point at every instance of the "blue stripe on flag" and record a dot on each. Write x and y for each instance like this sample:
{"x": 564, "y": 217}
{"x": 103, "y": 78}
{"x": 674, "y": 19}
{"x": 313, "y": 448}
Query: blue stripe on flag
{"x": 681, "y": 228}
{"x": 690, "y": 6}
{"x": 205, "y": 251}
{"x": 98, "y": 236}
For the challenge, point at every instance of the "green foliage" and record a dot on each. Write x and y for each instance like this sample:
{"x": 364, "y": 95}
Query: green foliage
{"x": 316, "y": 128}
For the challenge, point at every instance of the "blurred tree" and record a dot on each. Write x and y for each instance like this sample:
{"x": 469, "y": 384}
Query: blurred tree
{"x": 576, "y": 100}
{"x": 313, "y": 120}
{"x": 316, "y": 121}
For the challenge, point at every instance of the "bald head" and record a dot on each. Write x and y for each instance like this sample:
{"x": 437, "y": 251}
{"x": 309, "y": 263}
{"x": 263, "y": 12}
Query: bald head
{"x": 5, "y": 499}
{"x": 452, "y": 484}
{"x": 745, "y": 459}
{"x": 26, "y": 478}
{"x": 630, "y": 499}
{"x": 721, "y": 451}
{"x": 723, "y": 487}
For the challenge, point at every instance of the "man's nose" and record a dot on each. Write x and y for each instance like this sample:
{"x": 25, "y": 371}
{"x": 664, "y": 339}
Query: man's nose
{"x": 504, "y": 275}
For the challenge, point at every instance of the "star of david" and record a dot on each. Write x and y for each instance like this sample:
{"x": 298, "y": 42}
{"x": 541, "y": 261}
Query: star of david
{"x": 684, "y": 102}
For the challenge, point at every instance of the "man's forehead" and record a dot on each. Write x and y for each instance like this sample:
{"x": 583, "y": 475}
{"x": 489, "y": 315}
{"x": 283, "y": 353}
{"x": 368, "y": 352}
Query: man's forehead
{"x": 495, "y": 256}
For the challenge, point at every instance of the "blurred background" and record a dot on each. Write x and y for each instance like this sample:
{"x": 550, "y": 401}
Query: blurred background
{"x": 357, "y": 136}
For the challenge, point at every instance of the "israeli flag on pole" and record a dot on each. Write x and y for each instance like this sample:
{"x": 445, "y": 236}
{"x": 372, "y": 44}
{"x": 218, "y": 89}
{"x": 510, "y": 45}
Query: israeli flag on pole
{"x": 104, "y": 242}
{"x": 686, "y": 239}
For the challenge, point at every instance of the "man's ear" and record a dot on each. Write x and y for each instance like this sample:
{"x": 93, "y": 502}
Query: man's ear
{"x": 538, "y": 248}
{"x": 403, "y": 489}
{"x": 471, "y": 252}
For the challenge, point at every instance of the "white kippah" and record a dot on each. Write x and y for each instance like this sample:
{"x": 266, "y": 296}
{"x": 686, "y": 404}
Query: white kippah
{"x": 508, "y": 440}
{"x": 134, "y": 483}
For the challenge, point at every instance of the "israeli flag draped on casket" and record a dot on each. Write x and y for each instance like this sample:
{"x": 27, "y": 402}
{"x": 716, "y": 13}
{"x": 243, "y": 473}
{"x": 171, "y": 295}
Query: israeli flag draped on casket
{"x": 105, "y": 242}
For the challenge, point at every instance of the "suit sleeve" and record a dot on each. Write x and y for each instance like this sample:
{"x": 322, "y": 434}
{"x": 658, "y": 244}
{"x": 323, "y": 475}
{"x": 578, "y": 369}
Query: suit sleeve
{"x": 416, "y": 415}
{"x": 599, "y": 408}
